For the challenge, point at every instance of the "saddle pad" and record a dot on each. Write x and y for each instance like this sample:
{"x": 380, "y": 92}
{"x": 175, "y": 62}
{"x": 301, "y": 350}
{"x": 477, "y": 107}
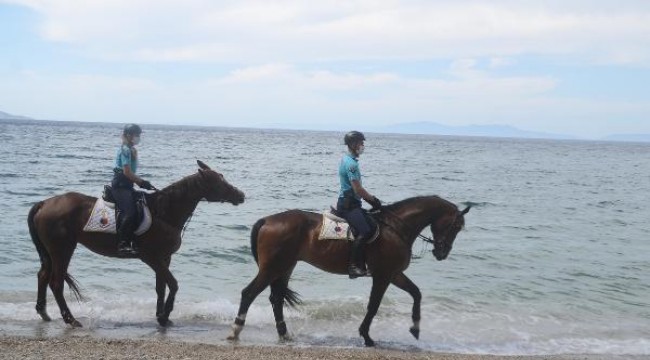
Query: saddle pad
{"x": 102, "y": 219}
{"x": 333, "y": 229}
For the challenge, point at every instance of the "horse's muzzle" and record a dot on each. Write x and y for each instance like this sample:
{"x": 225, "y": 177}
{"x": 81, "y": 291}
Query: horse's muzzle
{"x": 239, "y": 198}
{"x": 440, "y": 255}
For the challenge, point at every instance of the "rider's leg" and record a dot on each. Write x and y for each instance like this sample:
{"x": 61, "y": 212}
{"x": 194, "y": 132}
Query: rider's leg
{"x": 357, "y": 266}
{"x": 125, "y": 221}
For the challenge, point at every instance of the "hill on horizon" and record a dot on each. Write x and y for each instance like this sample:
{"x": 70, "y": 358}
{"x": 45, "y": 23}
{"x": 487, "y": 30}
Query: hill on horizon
{"x": 7, "y": 116}
{"x": 421, "y": 127}
{"x": 495, "y": 130}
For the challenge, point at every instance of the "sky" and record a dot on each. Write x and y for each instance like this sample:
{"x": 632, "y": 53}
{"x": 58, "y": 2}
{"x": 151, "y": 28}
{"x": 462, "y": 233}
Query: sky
{"x": 578, "y": 67}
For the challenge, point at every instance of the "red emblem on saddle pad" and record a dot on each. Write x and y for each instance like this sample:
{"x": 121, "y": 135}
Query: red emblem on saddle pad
{"x": 103, "y": 221}
{"x": 338, "y": 229}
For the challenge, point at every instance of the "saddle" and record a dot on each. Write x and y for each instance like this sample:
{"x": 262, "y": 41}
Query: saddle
{"x": 102, "y": 217}
{"x": 335, "y": 227}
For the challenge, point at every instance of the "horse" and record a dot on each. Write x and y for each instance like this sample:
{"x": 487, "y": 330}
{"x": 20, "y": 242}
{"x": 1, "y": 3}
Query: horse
{"x": 56, "y": 227}
{"x": 280, "y": 240}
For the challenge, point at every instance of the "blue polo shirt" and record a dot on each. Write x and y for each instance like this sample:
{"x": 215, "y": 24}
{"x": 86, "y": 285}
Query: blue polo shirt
{"x": 124, "y": 157}
{"x": 348, "y": 171}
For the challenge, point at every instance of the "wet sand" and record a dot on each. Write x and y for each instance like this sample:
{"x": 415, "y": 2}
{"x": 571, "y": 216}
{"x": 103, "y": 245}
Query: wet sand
{"x": 70, "y": 348}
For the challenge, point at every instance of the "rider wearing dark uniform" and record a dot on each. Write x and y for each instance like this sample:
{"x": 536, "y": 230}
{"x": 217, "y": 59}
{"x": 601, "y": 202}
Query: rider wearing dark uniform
{"x": 126, "y": 165}
{"x": 349, "y": 201}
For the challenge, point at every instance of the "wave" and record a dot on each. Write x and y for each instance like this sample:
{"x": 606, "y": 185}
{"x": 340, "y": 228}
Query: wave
{"x": 22, "y": 193}
{"x": 446, "y": 178}
{"x": 480, "y": 204}
{"x": 9, "y": 175}
{"x": 334, "y": 322}
{"x": 70, "y": 156}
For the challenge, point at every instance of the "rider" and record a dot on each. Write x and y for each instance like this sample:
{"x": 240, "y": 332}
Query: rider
{"x": 349, "y": 201}
{"x": 126, "y": 165}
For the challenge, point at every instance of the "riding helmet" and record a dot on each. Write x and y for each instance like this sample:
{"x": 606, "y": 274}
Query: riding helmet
{"x": 132, "y": 129}
{"x": 353, "y": 137}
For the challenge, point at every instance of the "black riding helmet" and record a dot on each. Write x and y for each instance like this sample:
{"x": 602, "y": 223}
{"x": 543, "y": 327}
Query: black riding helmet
{"x": 353, "y": 137}
{"x": 132, "y": 129}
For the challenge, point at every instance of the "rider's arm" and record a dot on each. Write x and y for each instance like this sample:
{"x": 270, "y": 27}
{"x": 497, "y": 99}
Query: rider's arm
{"x": 359, "y": 190}
{"x": 126, "y": 169}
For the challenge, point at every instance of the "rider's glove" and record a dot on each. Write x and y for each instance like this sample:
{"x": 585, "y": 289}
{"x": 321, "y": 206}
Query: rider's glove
{"x": 146, "y": 185}
{"x": 375, "y": 203}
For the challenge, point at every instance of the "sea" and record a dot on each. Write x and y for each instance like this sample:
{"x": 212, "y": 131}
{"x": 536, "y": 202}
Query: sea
{"x": 554, "y": 259}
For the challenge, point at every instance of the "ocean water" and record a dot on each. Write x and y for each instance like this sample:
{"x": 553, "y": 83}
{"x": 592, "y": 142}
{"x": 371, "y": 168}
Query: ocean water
{"x": 555, "y": 257}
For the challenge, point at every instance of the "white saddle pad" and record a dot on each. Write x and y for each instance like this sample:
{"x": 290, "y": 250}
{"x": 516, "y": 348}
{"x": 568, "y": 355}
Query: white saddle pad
{"x": 333, "y": 228}
{"x": 102, "y": 219}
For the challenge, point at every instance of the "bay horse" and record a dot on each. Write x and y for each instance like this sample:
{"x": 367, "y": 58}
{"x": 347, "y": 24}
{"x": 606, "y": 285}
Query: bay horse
{"x": 279, "y": 241}
{"x": 56, "y": 227}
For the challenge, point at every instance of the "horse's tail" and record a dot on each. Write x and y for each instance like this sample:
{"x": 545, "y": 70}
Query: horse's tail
{"x": 43, "y": 255}
{"x": 254, "y": 233}
{"x": 74, "y": 286}
{"x": 292, "y": 298}
{"x": 42, "y": 252}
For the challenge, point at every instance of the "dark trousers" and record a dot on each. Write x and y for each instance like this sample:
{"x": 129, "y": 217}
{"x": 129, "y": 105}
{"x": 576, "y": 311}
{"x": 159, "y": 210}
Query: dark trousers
{"x": 356, "y": 218}
{"x": 126, "y": 213}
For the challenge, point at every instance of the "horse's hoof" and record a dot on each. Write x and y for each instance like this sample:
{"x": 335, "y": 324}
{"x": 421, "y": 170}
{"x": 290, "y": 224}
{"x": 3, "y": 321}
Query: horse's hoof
{"x": 285, "y": 338}
{"x": 233, "y": 338}
{"x": 415, "y": 332}
{"x": 76, "y": 324}
{"x": 164, "y": 321}
{"x": 44, "y": 316}
{"x": 369, "y": 342}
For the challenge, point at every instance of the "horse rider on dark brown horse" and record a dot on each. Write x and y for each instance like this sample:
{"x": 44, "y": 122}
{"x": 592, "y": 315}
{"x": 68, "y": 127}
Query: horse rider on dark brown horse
{"x": 126, "y": 166}
{"x": 348, "y": 205}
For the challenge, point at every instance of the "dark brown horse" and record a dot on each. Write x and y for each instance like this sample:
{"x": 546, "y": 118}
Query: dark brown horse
{"x": 279, "y": 241}
{"x": 56, "y": 227}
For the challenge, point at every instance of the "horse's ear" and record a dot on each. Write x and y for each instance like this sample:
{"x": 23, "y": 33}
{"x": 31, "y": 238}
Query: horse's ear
{"x": 202, "y": 165}
{"x": 466, "y": 210}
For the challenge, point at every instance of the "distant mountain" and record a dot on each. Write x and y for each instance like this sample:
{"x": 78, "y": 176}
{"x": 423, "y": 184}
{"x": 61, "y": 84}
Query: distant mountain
{"x": 425, "y": 127}
{"x": 629, "y": 137}
{"x": 6, "y": 116}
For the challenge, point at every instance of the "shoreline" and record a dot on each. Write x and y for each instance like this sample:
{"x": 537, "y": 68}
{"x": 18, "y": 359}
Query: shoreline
{"x": 88, "y": 347}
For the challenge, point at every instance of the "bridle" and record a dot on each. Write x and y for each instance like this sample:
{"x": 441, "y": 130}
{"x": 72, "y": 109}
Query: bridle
{"x": 399, "y": 233}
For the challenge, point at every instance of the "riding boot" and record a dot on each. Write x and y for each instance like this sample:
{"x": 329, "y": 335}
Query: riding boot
{"x": 357, "y": 266}
{"x": 124, "y": 240}
{"x": 124, "y": 248}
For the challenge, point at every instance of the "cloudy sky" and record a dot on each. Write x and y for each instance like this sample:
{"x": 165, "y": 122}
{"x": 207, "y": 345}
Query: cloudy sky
{"x": 579, "y": 67}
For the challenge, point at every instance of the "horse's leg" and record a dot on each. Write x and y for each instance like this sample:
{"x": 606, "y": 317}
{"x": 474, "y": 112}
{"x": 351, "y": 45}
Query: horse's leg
{"x": 60, "y": 262}
{"x": 44, "y": 275}
{"x": 164, "y": 276}
{"x": 248, "y": 295}
{"x": 404, "y": 283}
{"x": 279, "y": 290}
{"x": 379, "y": 287}
{"x": 161, "y": 287}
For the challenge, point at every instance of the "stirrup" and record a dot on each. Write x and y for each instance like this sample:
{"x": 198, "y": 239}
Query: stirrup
{"x": 355, "y": 272}
{"x": 126, "y": 250}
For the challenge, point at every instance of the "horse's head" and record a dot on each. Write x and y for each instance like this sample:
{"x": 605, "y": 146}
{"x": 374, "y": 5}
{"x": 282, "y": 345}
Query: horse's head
{"x": 444, "y": 232}
{"x": 217, "y": 188}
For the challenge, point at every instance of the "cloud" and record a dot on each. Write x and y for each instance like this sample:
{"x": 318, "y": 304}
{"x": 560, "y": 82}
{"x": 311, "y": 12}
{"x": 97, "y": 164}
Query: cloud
{"x": 499, "y": 62}
{"x": 257, "y": 73}
{"x": 279, "y": 93}
{"x": 302, "y": 31}
{"x": 290, "y": 91}
{"x": 372, "y": 62}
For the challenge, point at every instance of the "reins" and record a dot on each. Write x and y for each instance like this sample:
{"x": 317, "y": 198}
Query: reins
{"x": 187, "y": 223}
{"x": 391, "y": 213}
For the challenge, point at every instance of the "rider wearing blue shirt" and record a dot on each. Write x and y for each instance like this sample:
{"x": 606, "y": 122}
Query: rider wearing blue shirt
{"x": 126, "y": 165}
{"x": 349, "y": 201}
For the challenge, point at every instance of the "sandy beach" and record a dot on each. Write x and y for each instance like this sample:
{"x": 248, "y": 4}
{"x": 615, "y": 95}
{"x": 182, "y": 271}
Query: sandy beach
{"x": 70, "y": 348}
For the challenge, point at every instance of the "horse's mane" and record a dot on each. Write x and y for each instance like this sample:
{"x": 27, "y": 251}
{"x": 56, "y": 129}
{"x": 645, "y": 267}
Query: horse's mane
{"x": 159, "y": 202}
{"x": 398, "y": 205}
